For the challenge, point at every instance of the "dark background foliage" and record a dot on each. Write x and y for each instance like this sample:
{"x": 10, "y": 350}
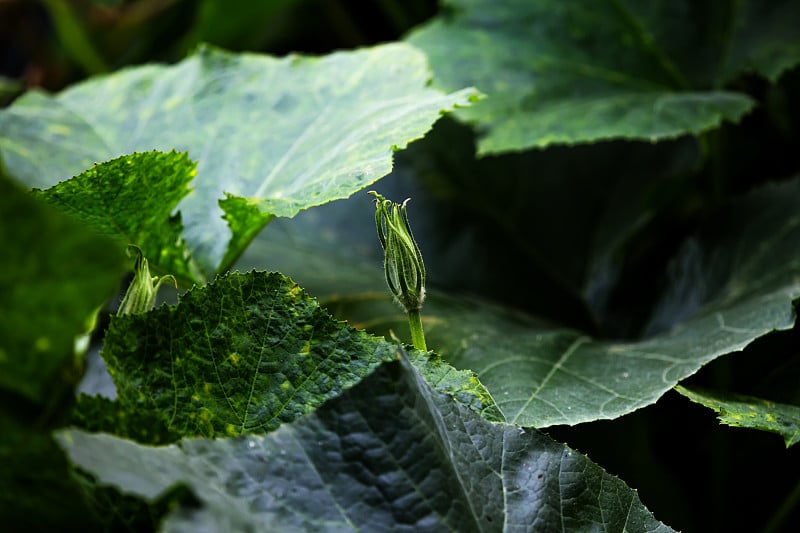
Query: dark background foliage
{"x": 693, "y": 473}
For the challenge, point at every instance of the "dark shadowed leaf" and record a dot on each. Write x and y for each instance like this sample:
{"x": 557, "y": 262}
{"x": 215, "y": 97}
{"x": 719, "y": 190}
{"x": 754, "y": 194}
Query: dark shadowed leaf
{"x": 389, "y": 454}
{"x": 239, "y": 24}
{"x": 36, "y": 486}
{"x": 56, "y": 274}
{"x": 566, "y": 224}
{"x": 732, "y": 283}
{"x": 573, "y": 72}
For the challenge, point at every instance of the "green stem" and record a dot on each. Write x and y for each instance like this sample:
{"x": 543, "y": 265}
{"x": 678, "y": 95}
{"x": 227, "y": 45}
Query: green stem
{"x": 417, "y": 335}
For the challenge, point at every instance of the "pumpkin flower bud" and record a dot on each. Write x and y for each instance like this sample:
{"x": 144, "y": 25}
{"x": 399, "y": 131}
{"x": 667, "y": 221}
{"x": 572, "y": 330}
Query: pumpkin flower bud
{"x": 141, "y": 294}
{"x": 403, "y": 266}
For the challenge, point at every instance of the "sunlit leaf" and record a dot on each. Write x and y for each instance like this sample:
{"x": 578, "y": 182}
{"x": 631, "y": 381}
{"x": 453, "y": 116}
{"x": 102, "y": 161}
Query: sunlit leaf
{"x": 271, "y": 137}
{"x": 132, "y": 199}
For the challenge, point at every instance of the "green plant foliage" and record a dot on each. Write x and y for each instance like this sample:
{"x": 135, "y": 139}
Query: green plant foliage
{"x": 238, "y": 356}
{"x": 613, "y": 220}
{"x": 61, "y": 273}
{"x": 132, "y": 198}
{"x": 389, "y": 454}
{"x": 566, "y": 73}
{"x": 56, "y": 274}
{"x": 732, "y": 283}
{"x": 238, "y": 23}
{"x": 739, "y": 410}
{"x": 276, "y": 135}
{"x": 561, "y": 223}
{"x": 36, "y": 488}
{"x": 100, "y": 414}
{"x": 243, "y": 355}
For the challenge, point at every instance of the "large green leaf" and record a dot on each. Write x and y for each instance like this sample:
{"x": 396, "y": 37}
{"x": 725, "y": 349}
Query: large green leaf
{"x": 575, "y": 252}
{"x": 132, "y": 198}
{"x": 243, "y": 355}
{"x": 733, "y": 282}
{"x": 572, "y": 72}
{"x": 739, "y": 410}
{"x": 389, "y": 454}
{"x": 240, "y": 355}
{"x": 56, "y": 274}
{"x": 271, "y": 136}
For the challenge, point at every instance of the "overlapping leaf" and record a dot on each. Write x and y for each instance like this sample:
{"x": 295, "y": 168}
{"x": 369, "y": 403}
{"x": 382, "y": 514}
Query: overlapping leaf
{"x": 132, "y": 198}
{"x": 565, "y": 73}
{"x": 561, "y": 223}
{"x": 241, "y": 355}
{"x": 389, "y": 454}
{"x": 739, "y": 410}
{"x": 733, "y": 283}
{"x": 245, "y": 354}
{"x": 271, "y": 136}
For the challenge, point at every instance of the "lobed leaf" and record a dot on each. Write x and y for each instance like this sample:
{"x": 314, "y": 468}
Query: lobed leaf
{"x": 271, "y": 136}
{"x": 389, "y": 454}
{"x": 732, "y": 283}
{"x": 131, "y": 198}
{"x": 240, "y": 355}
{"x": 576, "y": 72}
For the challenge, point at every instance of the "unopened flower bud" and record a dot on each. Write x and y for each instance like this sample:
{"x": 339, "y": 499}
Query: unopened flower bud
{"x": 403, "y": 266}
{"x": 141, "y": 294}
